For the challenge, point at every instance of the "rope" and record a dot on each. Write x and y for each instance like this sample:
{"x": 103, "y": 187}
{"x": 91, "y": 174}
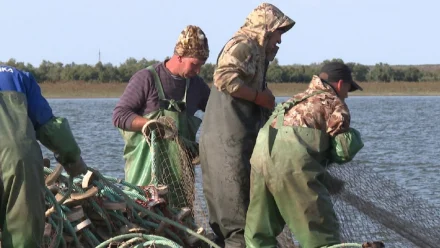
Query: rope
{"x": 157, "y": 239}
{"x": 143, "y": 229}
{"x": 346, "y": 245}
{"x": 146, "y": 211}
{"x": 59, "y": 227}
{"x": 69, "y": 191}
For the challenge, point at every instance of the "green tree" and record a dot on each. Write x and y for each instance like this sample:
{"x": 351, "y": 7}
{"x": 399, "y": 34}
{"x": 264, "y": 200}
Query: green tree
{"x": 412, "y": 74}
{"x": 381, "y": 73}
{"x": 207, "y": 72}
{"x": 274, "y": 72}
{"x": 360, "y": 72}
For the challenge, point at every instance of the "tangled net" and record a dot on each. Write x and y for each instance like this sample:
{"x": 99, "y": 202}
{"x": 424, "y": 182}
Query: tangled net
{"x": 96, "y": 211}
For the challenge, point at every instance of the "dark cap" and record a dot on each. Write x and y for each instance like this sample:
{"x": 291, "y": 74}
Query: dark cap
{"x": 335, "y": 71}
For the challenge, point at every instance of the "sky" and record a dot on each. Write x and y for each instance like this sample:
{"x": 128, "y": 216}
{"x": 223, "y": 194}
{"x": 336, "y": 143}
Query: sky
{"x": 363, "y": 31}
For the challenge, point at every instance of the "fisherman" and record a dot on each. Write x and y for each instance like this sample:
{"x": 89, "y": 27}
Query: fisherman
{"x": 171, "y": 88}
{"x": 288, "y": 165}
{"x": 235, "y": 112}
{"x": 25, "y": 117}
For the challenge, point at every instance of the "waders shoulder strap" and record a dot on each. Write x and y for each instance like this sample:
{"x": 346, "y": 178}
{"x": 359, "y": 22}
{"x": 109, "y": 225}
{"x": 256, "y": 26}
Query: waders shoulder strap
{"x": 160, "y": 91}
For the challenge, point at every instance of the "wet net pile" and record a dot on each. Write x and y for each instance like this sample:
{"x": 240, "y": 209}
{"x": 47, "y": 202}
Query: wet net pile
{"x": 101, "y": 211}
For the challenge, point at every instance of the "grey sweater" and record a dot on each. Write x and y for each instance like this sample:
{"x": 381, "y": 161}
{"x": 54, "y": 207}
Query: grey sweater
{"x": 140, "y": 97}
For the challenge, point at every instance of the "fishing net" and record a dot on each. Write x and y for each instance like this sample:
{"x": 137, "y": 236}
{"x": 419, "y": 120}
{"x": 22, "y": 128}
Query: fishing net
{"x": 100, "y": 211}
{"x": 371, "y": 207}
{"x": 181, "y": 180}
{"x": 172, "y": 160}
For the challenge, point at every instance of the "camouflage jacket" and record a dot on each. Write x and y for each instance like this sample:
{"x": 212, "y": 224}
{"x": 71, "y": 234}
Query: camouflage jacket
{"x": 242, "y": 60}
{"x": 325, "y": 111}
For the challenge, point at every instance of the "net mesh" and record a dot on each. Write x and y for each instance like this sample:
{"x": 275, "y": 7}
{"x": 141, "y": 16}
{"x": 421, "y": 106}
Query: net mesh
{"x": 368, "y": 205}
{"x": 158, "y": 133}
{"x": 172, "y": 167}
{"x": 372, "y": 207}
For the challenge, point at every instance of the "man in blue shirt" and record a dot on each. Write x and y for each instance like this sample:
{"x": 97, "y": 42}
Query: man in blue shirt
{"x": 25, "y": 117}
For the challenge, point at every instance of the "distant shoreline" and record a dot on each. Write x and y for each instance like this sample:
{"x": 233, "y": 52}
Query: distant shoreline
{"x": 115, "y": 90}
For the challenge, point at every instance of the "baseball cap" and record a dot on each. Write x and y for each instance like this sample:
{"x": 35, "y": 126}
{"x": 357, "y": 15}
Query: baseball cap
{"x": 335, "y": 71}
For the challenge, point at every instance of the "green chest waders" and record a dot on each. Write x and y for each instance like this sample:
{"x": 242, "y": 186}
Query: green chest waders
{"x": 22, "y": 181}
{"x": 228, "y": 134}
{"x": 286, "y": 187}
{"x": 163, "y": 162}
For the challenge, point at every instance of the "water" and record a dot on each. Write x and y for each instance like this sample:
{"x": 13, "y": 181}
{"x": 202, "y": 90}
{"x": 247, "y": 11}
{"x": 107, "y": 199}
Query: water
{"x": 401, "y": 136}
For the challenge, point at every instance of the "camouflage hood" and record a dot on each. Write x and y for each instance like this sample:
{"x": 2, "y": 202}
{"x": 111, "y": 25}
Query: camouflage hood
{"x": 264, "y": 20}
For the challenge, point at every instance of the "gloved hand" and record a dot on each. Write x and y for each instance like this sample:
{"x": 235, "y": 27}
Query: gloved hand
{"x": 76, "y": 169}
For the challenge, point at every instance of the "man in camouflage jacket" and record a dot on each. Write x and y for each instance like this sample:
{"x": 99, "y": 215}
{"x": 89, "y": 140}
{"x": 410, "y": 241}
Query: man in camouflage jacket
{"x": 235, "y": 112}
{"x": 288, "y": 184}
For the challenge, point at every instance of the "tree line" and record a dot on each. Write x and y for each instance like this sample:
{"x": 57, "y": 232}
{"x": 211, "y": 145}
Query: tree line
{"x": 103, "y": 73}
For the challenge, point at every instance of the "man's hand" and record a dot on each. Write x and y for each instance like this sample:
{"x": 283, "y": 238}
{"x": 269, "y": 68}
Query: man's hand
{"x": 265, "y": 99}
{"x": 163, "y": 126}
{"x": 76, "y": 169}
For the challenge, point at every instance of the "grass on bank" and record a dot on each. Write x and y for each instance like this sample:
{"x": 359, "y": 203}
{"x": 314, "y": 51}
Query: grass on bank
{"x": 114, "y": 90}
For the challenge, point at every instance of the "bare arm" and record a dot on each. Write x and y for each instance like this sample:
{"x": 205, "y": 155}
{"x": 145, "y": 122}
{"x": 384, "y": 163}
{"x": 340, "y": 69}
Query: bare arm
{"x": 137, "y": 123}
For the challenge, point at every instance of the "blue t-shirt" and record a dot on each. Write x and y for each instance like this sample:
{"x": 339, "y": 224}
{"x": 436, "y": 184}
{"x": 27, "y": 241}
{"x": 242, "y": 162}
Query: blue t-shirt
{"x": 12, "y": 79}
